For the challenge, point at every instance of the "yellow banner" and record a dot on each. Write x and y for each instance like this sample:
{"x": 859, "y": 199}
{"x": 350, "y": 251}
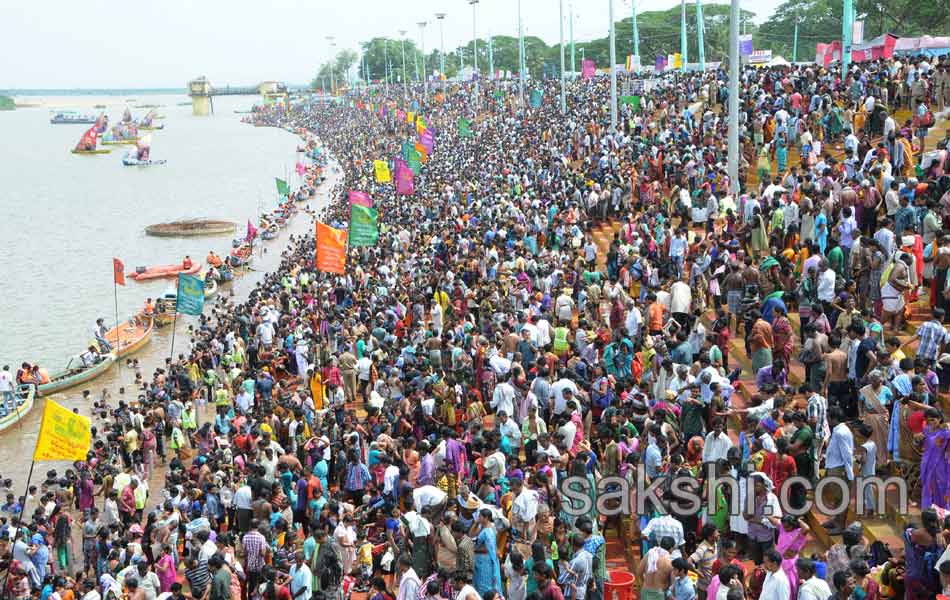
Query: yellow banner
{"x": 382, "y": 171}
{"x": 677, "y": 61}
{"x": 64, "y": 435}
{"x": 410, "y": 117}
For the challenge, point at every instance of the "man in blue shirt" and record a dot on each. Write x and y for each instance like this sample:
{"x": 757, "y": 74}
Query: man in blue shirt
{"x": 839, "y": 463}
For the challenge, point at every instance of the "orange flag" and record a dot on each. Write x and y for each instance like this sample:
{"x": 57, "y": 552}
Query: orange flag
{"x": 118, "y": 271}
{"x": 424, "y": 156}
{"x": 331, "y": 249}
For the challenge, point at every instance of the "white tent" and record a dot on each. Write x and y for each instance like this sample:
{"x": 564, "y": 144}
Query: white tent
{"x": 778, "y": 61}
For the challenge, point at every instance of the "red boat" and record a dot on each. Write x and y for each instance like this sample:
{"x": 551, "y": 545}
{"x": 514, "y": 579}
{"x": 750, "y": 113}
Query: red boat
{"x": 167, "y": 271}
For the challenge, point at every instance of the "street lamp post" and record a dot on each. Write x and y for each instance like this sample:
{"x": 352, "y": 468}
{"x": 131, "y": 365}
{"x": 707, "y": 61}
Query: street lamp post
{"x": 477, "y": 102}
{"x": 441, "y": 18}
{"x": 422, "y": 43}
{"x": 386, "y": 62}
{"x": 563, "y": 83}
{"x": 332, "y": 57}
{"x": 491, "y": 59}
{"x": 520, "y": 57}
{"x": 733, "y": 111}
{"x": 683, "y": 53}
{"x": 613, "y": 71}
{"x": 573, "y": 65}
{"x": 699, "y": 35}
{"x": 405, "y": 81}
{"x": 636, "y": 32}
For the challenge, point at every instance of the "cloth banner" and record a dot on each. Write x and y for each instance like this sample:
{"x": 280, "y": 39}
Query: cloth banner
{"x": 301, "y": 169}
{"x": 420, "y": 125}
{"x": 398, "y": 165}
{"x": 465, "y": 128}
{"x": 191, "y": 295}
{"x": 64, "y": 435}
{"x": 536, "y": 96}
{"x": 419, "y": 149}
{"x": 745, "y": 45}
{"x": 331, "y": 249}
{"x": 410, "y": 117}
{"x": 415, "y": 162}
{"x": 588, "y": 68}
{"x": 633, "y": 101}
{"x": 282, "y": 188}
{"x": 404, "y": 182}
{"x": 381, "y": 167}
{"x": 660, "y": 63}
{"x": 677, "y": 60}
{"x": 364, "y": 224}
{"x": 400, "y": 114}
{"x": 251, "y": 231}
{"x": 427, "y": 141}
{"x": 407, "y": 148}
{"x": 118, "y": 271}
{"x": 360, "y": 199}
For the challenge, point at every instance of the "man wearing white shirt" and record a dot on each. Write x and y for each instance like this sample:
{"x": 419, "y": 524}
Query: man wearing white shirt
{"x": 826, "y": 282}
{"x": 564, "y": 391}
{"x": 811, "y": 588}
{"x": 775, "y": 586}
{"x": 717, "y": 443}
{"x": 508, "y": 428}
{"x": 839, "y": 462}
{"x": 503, "y": 398}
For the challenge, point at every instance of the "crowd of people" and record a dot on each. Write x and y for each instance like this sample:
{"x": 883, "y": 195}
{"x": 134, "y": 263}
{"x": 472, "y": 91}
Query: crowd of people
{"x": 548, "y": 321}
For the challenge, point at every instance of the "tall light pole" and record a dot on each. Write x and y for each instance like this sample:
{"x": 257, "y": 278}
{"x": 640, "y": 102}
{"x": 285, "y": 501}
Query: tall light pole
{"x": 795, "y": 42}
{"x": 332, "y": 58}
{"x": 683, "y": 53}
{"x": 636, "y": 32}
{"x": 613, "y": 71}
{"x": 422, "y": 42}
{"x": 563, "y": 83}
{"x": 491, "y": 59}
{"x": 477, "y": 102}
{"x": 846, "y": 39}
{"x": 386, "y": 61}
{"x": 520, "y": 57}
{"x": 573, "y": 64}
{"x": 733, "y": 160}
{"x": 405, "y": 81}
{"x": 699, "y": 35}
{"x": 441, "y": 18}
{"x": 583, "y": 54}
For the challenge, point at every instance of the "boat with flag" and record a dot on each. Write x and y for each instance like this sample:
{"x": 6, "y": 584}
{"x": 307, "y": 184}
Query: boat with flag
{"x": 17, "y": 407}
{"x": 87, "y": 143}
{"x": 148, "y": 122}
{"x": 141, "y": 158}
{"x": 123, "y": 133}
{"x": 166, "y": 271}
{"x": 75, "y": 372}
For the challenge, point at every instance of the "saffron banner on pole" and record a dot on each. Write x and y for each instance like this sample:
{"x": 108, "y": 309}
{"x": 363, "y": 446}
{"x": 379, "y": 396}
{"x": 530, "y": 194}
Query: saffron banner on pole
{"x": 331, "y": 249}
{"x": 364, "y": 224}
{"x": 64, "y": 435}
{"x": 381, "y": 168}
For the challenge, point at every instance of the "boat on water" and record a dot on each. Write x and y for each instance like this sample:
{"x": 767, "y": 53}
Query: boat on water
{"x": 158, "y": 127}
{"x": 115, "y": 142}
{"x": 11, "y": 411}
{"x": 167, "y": 271}
{"x": 75, "y": 373}
{"x": 69, "y": 117}
{"x": 211, "y": 288}
{"x": 130, "y": 161}
{"x": 96, "y": 151}
{"x": 130, "y": 336}
{"x": 191, "y": 227}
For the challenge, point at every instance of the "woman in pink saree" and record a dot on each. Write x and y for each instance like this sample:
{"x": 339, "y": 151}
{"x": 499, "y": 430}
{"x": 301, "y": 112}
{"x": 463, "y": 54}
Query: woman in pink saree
{"x": 935, "y": 464}
{"x": 792, "y": 536}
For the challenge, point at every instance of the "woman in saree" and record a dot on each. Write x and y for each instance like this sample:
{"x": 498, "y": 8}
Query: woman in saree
{"x": 783, "y": 338}
{"x": 759, "y": 240}
{"x": 922, "y": 548}
{"x": 792, "y": 536}
{"x": 875, "y": 398}
{"x": 781, "y": 152}
{"x": 764, "y": 164}
{"x": 935, "y": 465}
{"x": 487, "y": 567}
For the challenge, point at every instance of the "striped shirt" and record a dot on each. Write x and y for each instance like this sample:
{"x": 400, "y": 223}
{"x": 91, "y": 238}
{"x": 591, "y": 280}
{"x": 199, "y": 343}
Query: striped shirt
{"x": 932, "y": 336}
{"x": 254, "y": 551}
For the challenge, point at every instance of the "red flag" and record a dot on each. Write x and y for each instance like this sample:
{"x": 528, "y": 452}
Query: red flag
{"x": 251, "y": 231}
{"x": 118, "y": 271}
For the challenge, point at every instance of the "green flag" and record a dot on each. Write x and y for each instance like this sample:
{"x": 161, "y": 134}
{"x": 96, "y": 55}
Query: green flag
{"x": 465, "y": 128}
{"x": 633, "y": 101}
{"x": 414, "y": 161}
{"x": 364, "y": 230}
{"x": 499, "y": 94}
{"x": 282, "y": 188}
{"x": 536, "y": 96}
{"x": 407, "y": 150}
{"x": 191, "y": 294}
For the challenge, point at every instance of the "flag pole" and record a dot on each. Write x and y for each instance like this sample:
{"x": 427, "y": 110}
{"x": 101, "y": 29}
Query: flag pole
{"x": 118, "y": 330}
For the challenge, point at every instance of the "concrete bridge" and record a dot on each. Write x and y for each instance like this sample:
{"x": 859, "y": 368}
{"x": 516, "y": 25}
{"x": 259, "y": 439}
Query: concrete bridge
{"x": 202, "y": 94}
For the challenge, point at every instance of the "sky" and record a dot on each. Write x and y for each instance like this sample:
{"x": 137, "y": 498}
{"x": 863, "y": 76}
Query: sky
{"x": 140, "y": 44}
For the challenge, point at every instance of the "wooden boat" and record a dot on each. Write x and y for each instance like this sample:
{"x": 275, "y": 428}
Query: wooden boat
{"x": 152, "y": 128}
{"x": 191, "y": 227}
{"x": 130, "y": 336}
{"x": 74, "y": 374}
{"x": 163, "y": 271}
{"x": 118, "y": 142}
{"x": 96, "y": 151}
{"x": 10, "y": 414}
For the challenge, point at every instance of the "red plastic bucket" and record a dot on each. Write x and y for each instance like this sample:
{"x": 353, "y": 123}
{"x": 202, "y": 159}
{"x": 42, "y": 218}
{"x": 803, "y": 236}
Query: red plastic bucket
{"x": 619, "y": 585}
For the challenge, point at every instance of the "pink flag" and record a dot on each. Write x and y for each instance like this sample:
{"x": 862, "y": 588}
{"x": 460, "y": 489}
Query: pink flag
{"x": 400, "y": 115}
{"x": 404, "y": 181}
{"x": 251, "y": 231}
{"x": 399, "y": 164}
{"x": 361, "y": 198}
{"x": 588, "y": 68}
{"x": 427, "y": 140}
{"x": 301, "y": 169}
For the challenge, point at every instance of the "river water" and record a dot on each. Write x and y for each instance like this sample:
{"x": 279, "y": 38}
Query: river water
{"x": 66, "y": 216}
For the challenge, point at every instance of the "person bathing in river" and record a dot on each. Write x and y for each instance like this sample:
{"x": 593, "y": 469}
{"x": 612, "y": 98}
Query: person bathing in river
{"x": 186, "y": 264}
